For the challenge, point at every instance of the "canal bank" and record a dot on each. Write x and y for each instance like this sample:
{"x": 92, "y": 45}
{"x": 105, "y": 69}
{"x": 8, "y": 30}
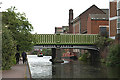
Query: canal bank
{"x": 18, "y": 71}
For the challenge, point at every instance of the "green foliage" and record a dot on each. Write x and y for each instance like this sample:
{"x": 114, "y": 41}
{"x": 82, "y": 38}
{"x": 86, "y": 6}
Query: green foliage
{"x": 113, "y": 58}
{"x": 20, "y": 27}
{"x": 8, "y": 49}
{"x": 102, "y": 60}
{"x": 102, "y": 42}
{"x": 34, "y": 52}
{"x": 84, "y": 57}
{"x": 16, "y": 36}
{"x": 47, "y": 52}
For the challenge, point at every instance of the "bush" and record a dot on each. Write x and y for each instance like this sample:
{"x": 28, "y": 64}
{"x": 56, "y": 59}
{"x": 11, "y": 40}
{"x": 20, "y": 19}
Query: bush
{"x": 113, "y": 58}
{"x": 102, "y": 42}
{"x": 102, "y": 60}
{"x": 46, "y": 52}
{"x": 8, "y": 49}
{"x": 84, "y": 57}
{"x": 34, "y": 52}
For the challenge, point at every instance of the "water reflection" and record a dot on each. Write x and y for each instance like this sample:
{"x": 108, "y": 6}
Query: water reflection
{"x": 77, "y": 69}
{"x": 41, "y": 67}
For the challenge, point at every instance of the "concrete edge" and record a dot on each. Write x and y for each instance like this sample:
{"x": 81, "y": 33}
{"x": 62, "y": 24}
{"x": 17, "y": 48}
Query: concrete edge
{"x": 28, "y": 69}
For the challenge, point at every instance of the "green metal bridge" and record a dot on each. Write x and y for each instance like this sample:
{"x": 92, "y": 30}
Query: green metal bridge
{"x": 78, "y": 41}
{"x": 65, "y": 39}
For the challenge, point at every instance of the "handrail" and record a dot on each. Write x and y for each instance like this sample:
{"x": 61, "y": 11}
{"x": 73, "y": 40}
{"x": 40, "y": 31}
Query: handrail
{"x": 65, "y": 38}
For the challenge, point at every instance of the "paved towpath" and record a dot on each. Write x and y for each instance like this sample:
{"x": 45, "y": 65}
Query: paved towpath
{"x": 17, "y": 71}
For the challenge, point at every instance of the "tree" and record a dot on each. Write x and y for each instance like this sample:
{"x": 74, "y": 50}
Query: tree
{"x": 8, "y": 49}
{"x": 20, "y": 27}
{"x": 113, "y": 58}
{"x": 16, "y": 36}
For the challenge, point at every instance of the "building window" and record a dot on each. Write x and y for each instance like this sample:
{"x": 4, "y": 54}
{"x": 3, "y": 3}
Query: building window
{"x": 118, "y": 7}
{"x": 118, "y": 12}
{"x": 118, "y": 4}
{"x": 118, "y": 31}
{"x": 118, "y": 25}
{"x": 118, "y": 20}
{"x": 104, "y": 30}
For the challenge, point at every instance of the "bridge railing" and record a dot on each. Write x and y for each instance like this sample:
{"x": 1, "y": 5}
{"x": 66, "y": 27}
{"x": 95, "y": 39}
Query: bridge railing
{"x": 65, "y": 38}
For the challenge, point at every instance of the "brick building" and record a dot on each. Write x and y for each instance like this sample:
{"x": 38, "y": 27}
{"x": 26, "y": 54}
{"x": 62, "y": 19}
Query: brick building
{"x": 61, "y": 30}
{"x": 89, "y": 21}
{"x": 58, "y": 30}
{"x": 114, "y": 18}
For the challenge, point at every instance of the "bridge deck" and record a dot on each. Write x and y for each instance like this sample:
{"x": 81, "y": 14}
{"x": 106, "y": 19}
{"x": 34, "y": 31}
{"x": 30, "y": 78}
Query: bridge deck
{"x": 59, "y": 39}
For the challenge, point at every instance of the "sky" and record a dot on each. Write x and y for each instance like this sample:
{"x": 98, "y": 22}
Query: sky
{"x": 45, "y": 15}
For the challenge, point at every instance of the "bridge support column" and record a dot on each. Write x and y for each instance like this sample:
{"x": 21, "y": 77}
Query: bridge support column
{"x": 56, "y": 55}
{"x": 53, "y": 54}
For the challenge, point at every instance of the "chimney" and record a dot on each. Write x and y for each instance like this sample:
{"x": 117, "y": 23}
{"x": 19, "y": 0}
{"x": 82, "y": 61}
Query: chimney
{"x": 70, "y": 19}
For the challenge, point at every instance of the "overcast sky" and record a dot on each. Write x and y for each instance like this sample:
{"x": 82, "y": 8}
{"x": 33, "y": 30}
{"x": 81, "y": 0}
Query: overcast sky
{"x": 45, "y": 15}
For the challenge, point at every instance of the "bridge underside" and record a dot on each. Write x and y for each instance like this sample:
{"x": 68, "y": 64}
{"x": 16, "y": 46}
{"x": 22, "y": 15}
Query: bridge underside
{"x": 86, "y": 47}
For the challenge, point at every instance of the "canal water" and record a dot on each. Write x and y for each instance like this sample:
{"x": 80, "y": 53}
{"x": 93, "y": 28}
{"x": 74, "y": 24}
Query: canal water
{"x": 41, "y": 67}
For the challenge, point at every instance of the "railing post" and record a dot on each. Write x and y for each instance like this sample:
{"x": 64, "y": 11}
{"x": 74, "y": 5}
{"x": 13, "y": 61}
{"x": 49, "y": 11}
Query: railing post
{"x": 58, "y": 38}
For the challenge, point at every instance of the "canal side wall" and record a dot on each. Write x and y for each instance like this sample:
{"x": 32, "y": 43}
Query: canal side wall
{"x": 28, "y": 68}
{"x": 104, "y": 53}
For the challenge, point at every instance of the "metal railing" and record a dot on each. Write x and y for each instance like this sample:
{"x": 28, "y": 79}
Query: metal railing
{"x": 65, "y": 38}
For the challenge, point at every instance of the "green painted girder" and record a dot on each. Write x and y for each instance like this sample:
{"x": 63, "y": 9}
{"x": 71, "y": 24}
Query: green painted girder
{"x": 58, "y": 39}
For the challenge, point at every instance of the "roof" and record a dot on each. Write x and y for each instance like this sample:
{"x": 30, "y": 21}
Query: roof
{"x": 90, "y": 8}
{"x": 105, "y": 11}
{"x": 58, "y": 27}
{"x": 99, "y": 16}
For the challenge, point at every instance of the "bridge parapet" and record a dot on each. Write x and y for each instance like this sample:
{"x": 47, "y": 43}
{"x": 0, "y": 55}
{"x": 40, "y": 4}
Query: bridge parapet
{"x": 57, "y": 39}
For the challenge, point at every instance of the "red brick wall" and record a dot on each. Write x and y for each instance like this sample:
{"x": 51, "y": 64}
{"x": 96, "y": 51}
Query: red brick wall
{"x": 70, "y": 19}
{"x": 89, "y": 25}
{"x": 113, "y": 9}
{"x": 95, "y": 25}
{"x": 76, "y": 27}
{"x": 113, "y": 27}
{"x": 113, "y": 23}
{"x": 71, "y": 28}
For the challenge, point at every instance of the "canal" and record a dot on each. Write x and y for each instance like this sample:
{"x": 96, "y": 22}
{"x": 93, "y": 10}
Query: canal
{"x": 41, "y": 67}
